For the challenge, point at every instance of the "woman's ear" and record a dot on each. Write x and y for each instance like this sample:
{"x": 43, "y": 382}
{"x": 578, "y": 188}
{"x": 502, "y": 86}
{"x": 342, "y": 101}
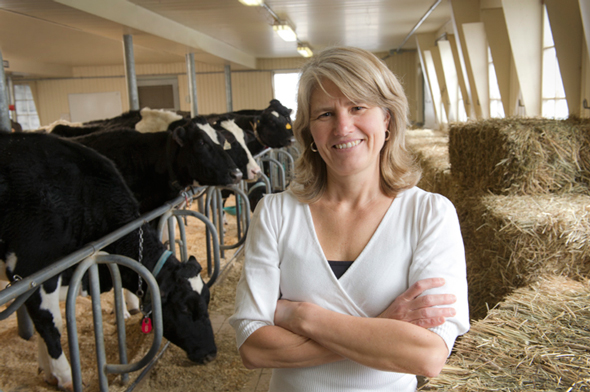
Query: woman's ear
{"x": 387, "y": 118}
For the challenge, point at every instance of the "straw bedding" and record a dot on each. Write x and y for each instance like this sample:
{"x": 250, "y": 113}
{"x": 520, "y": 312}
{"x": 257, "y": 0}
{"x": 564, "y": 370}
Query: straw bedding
{"x": 538, "y": 339}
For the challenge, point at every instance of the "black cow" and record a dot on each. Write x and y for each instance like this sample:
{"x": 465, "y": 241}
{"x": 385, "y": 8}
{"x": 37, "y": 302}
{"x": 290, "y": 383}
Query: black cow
{"x": 55, "y": 197}
{"x": 158, "y": 165}
{"x": 271, "y": 127}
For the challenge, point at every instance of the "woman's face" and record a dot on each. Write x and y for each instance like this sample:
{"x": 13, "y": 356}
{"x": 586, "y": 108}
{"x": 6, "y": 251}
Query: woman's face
{"x": 349, "y": 136}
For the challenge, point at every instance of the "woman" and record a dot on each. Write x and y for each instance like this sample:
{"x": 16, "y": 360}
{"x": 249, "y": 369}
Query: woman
{"x": 335, "y": 268}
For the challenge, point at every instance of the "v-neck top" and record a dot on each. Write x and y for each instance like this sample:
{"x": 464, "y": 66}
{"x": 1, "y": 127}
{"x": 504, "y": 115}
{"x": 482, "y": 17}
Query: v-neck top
{"x": 419, "y": 237}
{"x": 339, "y": 267}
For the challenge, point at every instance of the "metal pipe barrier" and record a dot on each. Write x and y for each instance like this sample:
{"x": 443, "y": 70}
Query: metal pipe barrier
{"x": 281, "y": 172}
{"x": 212, "y": 268}
{"x": 21, "y": 290}
{"x": 91, "y": 265}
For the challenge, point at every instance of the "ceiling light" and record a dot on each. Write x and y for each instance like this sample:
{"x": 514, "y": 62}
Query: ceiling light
{"x": 252, "y": 2}
{"x": 304, "y": 50}
{"x": 285, "y": 31}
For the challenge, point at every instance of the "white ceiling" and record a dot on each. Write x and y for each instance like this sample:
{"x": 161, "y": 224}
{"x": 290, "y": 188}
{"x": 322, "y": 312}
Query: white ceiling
{"x": 48, "y": 38}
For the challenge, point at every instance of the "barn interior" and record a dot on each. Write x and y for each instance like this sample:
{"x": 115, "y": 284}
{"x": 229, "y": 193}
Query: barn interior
{"x": 498, "y": 105}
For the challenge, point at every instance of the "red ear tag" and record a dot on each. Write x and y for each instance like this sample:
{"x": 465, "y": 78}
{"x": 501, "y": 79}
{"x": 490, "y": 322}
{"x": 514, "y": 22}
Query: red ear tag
{"x": 146, "y": 325}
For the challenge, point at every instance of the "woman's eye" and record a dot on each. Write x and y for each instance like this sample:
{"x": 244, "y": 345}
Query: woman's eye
{"x": 324, "y": 115}
{"x": 358, "y": 108}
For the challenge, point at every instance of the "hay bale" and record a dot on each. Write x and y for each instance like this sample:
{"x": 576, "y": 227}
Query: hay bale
{"x": 536, "y": 340}
{"x": 521, "y": 155}
{"x": 431, "y": 150}
{"x": 511, "y": 241}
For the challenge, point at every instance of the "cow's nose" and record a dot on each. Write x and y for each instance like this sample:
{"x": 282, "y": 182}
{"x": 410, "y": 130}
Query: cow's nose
{"x": 236, "y": 175}
{"x": 209, "y": 358}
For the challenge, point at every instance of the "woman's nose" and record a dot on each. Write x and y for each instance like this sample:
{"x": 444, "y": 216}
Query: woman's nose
{"x": 344, "y": 124}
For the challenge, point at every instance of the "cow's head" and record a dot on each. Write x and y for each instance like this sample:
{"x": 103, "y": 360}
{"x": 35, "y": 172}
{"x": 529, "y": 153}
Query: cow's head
{"x": 185, "y": 298}
{"x": 233, "y": 133}
{"x": 197, "y": 157}
{"x": 274, "y": 126}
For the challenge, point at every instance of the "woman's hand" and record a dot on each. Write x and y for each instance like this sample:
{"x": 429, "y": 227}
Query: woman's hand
{"x": 412, "y": 308}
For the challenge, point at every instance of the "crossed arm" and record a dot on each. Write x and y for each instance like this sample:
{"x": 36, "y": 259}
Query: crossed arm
{"x": 305, "y": 335}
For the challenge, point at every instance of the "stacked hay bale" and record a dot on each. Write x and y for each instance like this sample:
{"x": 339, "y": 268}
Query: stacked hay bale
{"x": 521, "y": 189}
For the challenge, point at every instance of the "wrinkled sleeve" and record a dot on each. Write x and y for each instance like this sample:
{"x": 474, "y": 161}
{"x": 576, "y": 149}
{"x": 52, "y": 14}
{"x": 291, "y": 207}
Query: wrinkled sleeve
{"x": 258, "y": 290}
{"x": 440, "y": 253}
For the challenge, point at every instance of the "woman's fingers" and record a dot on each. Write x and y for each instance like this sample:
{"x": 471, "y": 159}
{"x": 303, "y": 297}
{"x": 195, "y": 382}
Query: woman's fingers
{"x": 421, "y": 286}
{"x": 431, "y": 300}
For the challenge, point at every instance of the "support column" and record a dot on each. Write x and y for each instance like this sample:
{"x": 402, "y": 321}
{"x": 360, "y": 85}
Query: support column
{"x": 568, "y": 36}
{"x": 192, "y": 83}
{"x": 466, "y": 11}
{"x": 4, "y": 113}
{"x": 228, "y": 89}
{"x": 585, "y": 13}
{"x": 130, "y": 72}
{"x": 526, "y": 41}
{"x": 497, "y": 35}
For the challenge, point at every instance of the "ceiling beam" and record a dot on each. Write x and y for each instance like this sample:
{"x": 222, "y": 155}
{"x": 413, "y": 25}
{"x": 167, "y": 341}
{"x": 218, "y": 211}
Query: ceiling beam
{"x": 139, "y": 18}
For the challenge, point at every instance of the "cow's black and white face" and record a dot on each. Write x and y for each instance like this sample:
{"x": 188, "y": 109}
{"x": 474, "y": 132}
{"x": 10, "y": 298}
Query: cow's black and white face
{"x": 274, "y": 127}
{"x": 185, "y": 299}
{"x": 202, "y": 159}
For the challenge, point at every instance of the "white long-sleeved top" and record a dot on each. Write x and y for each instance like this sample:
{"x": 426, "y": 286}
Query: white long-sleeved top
{"x": 418, "y": 238}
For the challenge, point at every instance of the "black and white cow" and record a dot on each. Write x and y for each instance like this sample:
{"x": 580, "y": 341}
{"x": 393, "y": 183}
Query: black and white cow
{"x": 55, "y": 197}
{"x": 240, "y": 152}
{"x": 158, "y": 165}
{"x": 271, "y": 127}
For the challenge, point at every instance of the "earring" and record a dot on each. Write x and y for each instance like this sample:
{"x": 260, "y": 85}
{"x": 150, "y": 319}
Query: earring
{"x": 313, "y": 147}
{"x": 388, "y": 134}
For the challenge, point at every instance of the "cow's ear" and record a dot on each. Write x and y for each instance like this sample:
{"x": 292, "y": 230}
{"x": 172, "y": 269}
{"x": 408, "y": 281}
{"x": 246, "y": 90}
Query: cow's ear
{"x": 179, "y": 135}
{"x": 189, "y": 269}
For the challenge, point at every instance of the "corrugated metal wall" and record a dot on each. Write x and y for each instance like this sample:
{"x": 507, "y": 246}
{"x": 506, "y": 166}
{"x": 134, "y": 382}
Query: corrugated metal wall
{"x": 251, "y": 89}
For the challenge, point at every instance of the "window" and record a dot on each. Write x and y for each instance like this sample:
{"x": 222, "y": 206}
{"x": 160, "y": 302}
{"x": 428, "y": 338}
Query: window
{"x": 285, "y": 89}
{"x": 496, "y": 107}
{"x": 26, "y": 112}
{"x": 157, "y": 93}
{"x": 554, "y": 102}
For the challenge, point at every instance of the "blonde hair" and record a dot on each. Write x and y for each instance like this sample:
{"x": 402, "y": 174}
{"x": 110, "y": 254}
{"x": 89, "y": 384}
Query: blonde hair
{"x": 361, "y": 77}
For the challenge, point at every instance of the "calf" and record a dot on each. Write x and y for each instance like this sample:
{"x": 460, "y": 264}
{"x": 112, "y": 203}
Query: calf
{"x": 157, "y": 166}
{"x": 55, "y": 197}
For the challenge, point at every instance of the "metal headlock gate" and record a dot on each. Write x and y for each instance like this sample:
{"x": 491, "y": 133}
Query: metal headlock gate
{"x": 86, "y": 260}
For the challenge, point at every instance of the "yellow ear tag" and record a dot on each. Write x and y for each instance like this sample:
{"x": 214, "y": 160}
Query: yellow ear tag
{"x": 288, "y": 126}
{"x": 226, "y": 145}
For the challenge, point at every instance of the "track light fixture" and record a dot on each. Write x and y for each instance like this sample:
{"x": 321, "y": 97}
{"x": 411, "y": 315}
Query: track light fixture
{"x": 252, "y": 2}
{"x": 304, "y": 50}
{"x": 285, "y": 31}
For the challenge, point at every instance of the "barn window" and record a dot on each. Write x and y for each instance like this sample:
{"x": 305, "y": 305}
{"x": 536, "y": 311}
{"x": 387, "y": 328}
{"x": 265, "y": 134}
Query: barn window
{"x": 285, "y": 89}
{"x": 496, "y": 107}
{"x": 26, "y": 112}
{"x": 554, "y": 102}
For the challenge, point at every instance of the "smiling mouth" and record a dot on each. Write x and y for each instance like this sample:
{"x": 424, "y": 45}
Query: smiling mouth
{"x": 347, "y": 145}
